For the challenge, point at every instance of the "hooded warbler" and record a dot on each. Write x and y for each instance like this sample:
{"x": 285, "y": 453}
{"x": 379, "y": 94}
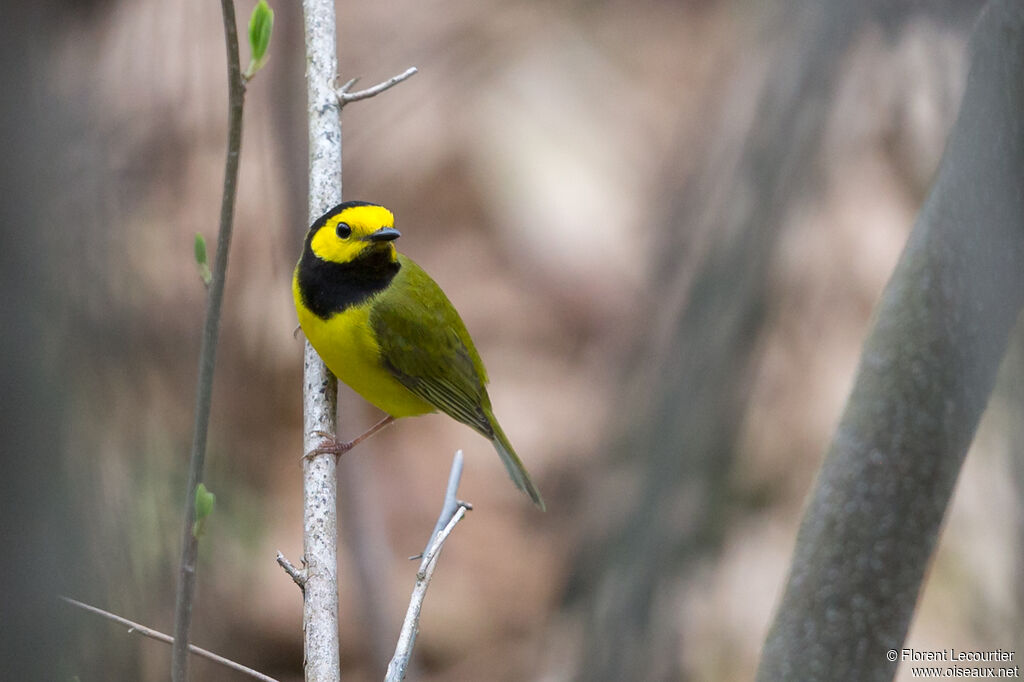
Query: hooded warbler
{"x": 385, "y": 328}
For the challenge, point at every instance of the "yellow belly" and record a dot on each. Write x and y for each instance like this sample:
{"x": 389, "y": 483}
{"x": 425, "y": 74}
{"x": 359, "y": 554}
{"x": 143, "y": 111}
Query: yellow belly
{"x": 346, "y": 344}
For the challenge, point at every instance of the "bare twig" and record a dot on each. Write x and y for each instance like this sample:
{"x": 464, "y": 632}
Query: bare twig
{"x": 208, "y": 352}
{"x": 344, "y": 96}
{"x": 136, "y": 628}
{"x": 348, "y": 84}
{"x": 297, "y": 574}
{"x": 451, "y": 500}
{"x": 451, "y": 513}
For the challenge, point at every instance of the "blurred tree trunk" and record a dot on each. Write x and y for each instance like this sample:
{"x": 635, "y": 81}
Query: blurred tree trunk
{"x": 680, "y": 438}
{"x": 41, "y": 536}
{"x": 1010, "y": 391}
{"x": 926, "y": 374}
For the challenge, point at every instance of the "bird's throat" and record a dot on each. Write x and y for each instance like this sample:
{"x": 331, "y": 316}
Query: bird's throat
{"x": 328, "y": 288}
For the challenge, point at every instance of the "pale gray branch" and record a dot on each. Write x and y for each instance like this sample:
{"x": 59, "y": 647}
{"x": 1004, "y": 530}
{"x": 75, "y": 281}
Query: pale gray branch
{"x": 135, "y": 628}
{"x": 319, "y": 388}
{"x": 451, "y": 500}
{"x": 451, "y": 513}
{"x": 344, "y": 96}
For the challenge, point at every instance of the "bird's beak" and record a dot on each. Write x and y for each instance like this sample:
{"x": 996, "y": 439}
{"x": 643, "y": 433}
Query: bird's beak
{"x": 384, "y": 234}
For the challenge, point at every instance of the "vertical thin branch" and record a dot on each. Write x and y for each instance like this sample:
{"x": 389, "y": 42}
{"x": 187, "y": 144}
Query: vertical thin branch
{"x": 319, "y": 387}
{"x": 208, "y": 352}
{"x": 320, "y": 522}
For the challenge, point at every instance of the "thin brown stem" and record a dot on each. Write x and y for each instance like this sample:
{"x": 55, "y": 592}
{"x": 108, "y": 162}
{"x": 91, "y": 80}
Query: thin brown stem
{"x": 208, "y": 352}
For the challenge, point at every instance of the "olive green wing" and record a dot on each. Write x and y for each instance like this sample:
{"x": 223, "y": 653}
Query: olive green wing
{"x": 425, "y": 345}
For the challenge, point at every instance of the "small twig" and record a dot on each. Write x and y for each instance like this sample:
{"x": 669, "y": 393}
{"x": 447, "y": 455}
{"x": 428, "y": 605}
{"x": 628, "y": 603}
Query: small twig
{"x": 135, "y": 628}
{"x": 297, "y": 574}
{"x": 344, "y": 96}
{"x": 451, "y": 513}
{"x": 430, "y": 558}
{"x": 451, "y": 502}
{"x": 411, "y": 625}
{"x": 348, "y": 85}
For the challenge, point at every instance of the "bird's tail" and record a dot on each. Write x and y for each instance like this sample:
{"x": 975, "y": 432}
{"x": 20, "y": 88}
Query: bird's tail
{"x": 515, "y": 465}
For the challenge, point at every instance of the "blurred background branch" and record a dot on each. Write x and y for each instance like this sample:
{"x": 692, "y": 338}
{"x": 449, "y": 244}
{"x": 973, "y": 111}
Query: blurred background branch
{"x": 694, "y": 388}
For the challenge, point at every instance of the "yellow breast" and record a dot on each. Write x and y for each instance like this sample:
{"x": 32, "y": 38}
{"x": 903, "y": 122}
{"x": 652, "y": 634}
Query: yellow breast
{"x": 346, "y": 344}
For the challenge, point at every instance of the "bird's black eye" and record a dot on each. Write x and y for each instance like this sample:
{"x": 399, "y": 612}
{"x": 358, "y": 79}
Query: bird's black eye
{"x": 343, "y": 230}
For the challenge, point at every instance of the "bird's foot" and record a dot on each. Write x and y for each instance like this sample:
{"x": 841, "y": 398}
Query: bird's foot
{"x": 330, "y": 445}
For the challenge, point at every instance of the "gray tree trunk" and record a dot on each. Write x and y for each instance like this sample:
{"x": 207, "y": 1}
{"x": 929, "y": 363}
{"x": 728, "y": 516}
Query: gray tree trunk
{"x": 925, "y": 376}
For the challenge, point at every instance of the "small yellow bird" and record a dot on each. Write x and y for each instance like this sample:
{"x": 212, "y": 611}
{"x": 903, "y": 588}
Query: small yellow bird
{"x": 385, "y": 328}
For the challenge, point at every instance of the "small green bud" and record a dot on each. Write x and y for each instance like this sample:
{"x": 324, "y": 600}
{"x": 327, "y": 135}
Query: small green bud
{"x": 204, "y": 265}
{"x": 261, "y": 25}
{"x": 204, "y": 507}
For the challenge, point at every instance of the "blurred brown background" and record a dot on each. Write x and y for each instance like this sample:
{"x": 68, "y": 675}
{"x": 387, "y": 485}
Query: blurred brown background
{"x": 665, "y": 224}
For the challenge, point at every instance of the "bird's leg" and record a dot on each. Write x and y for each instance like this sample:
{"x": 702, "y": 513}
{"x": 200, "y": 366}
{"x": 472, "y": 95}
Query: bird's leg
{"x": 333, "y": 446}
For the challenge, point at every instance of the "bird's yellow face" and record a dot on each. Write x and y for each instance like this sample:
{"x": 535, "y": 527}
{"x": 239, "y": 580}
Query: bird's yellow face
{"x": 354, "y": 231}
